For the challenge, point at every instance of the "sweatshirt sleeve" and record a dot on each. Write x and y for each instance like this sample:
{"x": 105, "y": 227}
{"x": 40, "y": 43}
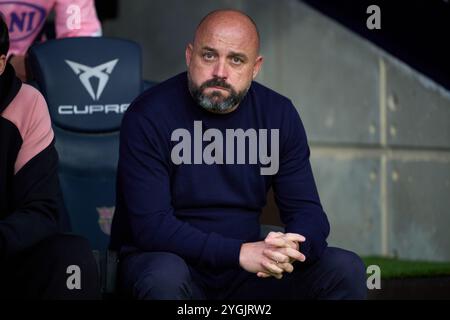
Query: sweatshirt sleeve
{"x": 35, "y": 185}
{"x": 143, "y": 179}
{"x": 76, "y": 19}
{"x": 295, "y": 189}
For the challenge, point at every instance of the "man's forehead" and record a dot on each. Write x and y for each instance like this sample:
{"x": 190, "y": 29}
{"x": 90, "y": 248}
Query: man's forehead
{"x": 228, "y": 18}
{"x": 229, "y": 38}
{"x": 228, "y": 26}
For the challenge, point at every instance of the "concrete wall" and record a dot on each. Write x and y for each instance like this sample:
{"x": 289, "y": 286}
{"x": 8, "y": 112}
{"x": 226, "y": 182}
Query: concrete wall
{"x": 379, "y": 131}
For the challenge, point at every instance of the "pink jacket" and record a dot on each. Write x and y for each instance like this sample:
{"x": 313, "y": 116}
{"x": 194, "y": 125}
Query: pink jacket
{"x": 25, "y": 18}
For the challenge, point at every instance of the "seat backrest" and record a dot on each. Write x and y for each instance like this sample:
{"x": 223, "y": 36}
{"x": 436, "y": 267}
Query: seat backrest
{"x": 88, "y": 84}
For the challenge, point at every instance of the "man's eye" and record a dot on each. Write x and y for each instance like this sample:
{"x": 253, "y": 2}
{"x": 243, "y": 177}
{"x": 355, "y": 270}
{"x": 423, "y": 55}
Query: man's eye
{"x": 208, "y": 56}
{"x": 236, "y": 60}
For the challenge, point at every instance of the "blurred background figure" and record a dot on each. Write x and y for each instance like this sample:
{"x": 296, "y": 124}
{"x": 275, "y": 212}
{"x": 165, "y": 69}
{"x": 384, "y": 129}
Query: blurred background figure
{"x": 35, "y": 254}
{"x": 26, "y": 22}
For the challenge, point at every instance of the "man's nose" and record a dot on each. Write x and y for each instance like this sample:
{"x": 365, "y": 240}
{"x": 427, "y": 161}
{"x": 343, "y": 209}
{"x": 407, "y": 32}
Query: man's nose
{"x": 220, "y": 69}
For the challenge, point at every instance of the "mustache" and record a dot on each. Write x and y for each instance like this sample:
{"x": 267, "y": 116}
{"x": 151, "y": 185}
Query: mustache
{"x": 216, "y": 82}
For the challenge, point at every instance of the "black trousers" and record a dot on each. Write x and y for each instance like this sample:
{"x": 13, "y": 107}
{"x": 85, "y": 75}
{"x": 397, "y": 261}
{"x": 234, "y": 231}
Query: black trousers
{"x": 59, "y": 267}
{"x": 338, "y": 274}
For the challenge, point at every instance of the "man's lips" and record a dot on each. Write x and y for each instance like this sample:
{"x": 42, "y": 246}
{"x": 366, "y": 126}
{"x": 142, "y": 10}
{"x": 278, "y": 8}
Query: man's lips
{"x": 220, "y": 88}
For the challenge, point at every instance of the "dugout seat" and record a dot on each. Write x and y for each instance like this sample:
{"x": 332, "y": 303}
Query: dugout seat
{"x": 88, "y": 83}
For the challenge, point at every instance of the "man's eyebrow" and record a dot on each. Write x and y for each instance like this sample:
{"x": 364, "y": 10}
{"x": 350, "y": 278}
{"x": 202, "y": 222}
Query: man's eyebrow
{"x": 238, "y": 54}
{"x": 208, "y": 49}
{"x": 231, "y": 54}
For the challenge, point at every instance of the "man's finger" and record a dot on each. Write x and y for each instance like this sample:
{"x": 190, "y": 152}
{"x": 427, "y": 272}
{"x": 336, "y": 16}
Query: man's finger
{"x": 263, "y": 275}
{"x": 287, "y": 251}
{"x": 282, "y": 261}
{"x": 289, "y": 236}
{"x": 282, "y": 243}
{"x": 293, "y": 244}
{"x": 294, "y": 237}
{"x": 276, "y": 255}
{"x": 277, "y": 242}
{"x": 272, "y": 267}
{"x": 294, "y": 254}
{"x": 289, "y": 240}
{"x": 287, "y": 267}
{"x": 273, "y": 234}
{"x": 268, "y": 275}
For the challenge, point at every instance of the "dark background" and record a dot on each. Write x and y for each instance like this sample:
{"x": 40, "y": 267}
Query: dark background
{"x": 416, "y": 31}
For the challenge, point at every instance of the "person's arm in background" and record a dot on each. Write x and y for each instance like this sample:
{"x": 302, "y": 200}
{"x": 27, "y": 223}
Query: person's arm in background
{"x": 73, "y": 18}
{"x": 295, "y": 190}
{"x": 76, "y": 18}
{"x": 35, "y": 183}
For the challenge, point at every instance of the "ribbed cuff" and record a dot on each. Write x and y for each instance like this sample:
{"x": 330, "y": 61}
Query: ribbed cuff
{"x": 222, "y": 252}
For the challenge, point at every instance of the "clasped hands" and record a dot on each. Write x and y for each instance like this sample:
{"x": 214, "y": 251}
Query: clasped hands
{"x": 273, "y": 256}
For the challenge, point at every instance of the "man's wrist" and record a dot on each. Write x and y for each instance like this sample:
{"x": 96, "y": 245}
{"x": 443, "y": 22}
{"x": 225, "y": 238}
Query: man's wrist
{"x": 242, "y": 254}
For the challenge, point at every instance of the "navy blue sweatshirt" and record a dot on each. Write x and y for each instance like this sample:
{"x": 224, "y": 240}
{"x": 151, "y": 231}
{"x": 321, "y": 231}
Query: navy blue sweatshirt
{"x": 204, "y": 212}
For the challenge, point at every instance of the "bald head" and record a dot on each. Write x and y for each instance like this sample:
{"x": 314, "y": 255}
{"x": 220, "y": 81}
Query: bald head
{"x": 229, "y": 20}
{"x": 223, "y": 60}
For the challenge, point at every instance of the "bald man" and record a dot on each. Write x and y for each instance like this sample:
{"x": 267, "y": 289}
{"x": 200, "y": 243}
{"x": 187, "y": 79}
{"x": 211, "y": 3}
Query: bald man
{"x": 198, "y": 154}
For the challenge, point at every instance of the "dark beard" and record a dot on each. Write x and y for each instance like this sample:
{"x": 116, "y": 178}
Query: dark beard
{"x": 215, "y": 100}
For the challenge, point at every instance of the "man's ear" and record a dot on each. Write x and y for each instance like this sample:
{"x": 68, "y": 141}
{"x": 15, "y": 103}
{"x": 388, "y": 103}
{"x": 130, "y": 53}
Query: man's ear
{"x": 257, "y": 66}
{"x": 2, "y": 63}
{"x": 188, "y": 53}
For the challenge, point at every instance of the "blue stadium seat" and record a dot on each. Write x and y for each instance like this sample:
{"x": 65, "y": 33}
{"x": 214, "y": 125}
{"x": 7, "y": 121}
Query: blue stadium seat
{"x": 88, "y": 84}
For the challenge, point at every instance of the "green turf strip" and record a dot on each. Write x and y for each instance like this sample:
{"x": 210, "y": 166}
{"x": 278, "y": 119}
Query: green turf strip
{"x": 395, "y": 268}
